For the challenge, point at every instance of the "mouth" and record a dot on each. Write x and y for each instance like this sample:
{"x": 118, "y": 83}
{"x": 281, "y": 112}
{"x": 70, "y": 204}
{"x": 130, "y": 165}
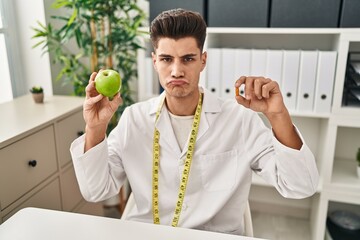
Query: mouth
{"x": 177, "y": 82}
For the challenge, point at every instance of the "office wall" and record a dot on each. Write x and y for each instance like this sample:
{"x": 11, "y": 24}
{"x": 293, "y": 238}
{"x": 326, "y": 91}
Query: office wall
{"x": 34, "y": 65}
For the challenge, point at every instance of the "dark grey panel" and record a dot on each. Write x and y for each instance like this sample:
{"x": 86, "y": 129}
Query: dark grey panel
{"x": 350, "y": 14}
{"x": 305, "y": 13}
{"x": 238, "y": 13}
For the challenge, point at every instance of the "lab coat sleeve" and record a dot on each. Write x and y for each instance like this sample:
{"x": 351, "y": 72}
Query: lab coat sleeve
{"x": 292, "y": 172}
{"x": 99, "y": 171}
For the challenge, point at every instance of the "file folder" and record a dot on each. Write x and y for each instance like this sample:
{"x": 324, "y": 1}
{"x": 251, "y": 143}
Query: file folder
{"x": 242, "y": 66}
{"x": 325, "y": 81}
{"x": 290, "y": 76}
{"x": 228, "y": 77}
{"x": 214, "y": 70}
{"x": 307, "y": 79}
{"x": 274, "y": 65}
{"x": 258, "y": 62}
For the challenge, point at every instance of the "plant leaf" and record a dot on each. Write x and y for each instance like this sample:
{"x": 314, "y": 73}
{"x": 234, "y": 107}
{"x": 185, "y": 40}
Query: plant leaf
{"x": 73, "y": 16}
{"x": 60, "y": 3}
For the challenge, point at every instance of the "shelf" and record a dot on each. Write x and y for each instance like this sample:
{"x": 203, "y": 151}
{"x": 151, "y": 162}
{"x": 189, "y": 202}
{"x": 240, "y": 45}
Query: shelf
{"x": 270, "y": 226}
{"x": 224, "y": 30}
{"x": 344, "y": 177}
{"x": 327, "y": 134}
{"x": 309, "y": 114}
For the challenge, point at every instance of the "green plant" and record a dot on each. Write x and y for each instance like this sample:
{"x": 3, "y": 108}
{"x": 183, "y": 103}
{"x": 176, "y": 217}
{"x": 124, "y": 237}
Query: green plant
{"x": 36, "y": 89}
{"x": 358, "y": 156}
{"x": 107, "y": 36}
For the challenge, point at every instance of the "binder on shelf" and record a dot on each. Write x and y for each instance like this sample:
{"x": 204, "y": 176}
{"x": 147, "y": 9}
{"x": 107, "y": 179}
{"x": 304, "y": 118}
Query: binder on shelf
{"x": 290, "y": 76}
{"x": 242, "y": 65}
{"x": 325, "y": 81}
{"x": 228, "y": 77}
{"x": 274, "y": 65}
{"x": 214, "y": 70}
{"x": 307, "y": 79}
{"x": 258, "y": 62}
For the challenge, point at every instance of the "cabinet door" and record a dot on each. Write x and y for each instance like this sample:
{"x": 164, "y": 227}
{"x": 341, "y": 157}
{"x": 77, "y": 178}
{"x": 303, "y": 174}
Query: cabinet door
{"x": 26, "y": 163}
{"x": 48, "y": 197}
{"x": 70, "y": 190}
{"x": 67, "y": 131}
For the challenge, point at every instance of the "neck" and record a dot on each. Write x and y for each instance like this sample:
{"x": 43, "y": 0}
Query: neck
{"x": 185, "y": 106}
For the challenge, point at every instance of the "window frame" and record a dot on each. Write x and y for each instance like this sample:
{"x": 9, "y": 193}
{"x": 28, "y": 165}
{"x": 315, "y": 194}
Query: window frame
{"x": 9, "y": 30}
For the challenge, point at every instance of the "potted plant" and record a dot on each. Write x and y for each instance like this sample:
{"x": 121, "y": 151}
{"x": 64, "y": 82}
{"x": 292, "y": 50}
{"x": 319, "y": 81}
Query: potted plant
{"x": 358, "y": 162}
{"x": 37, "y": 93}
{"x": 106, "y": 36}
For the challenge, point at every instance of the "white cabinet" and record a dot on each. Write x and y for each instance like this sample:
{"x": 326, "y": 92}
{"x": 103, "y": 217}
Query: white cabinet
{"x": 26, "y": 163}
{"x": 36, "y": 168}
{"x": 333, "y": 137}
{"x": 67, "y": 130}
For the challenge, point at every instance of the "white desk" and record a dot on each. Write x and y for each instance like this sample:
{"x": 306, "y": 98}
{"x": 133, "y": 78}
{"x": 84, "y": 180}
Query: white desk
{"x": 41, "y": 224}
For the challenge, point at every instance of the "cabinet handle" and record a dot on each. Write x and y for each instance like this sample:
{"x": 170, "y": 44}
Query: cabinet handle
{"x": 32, "y": 163}
{"x": 79, "y": 133}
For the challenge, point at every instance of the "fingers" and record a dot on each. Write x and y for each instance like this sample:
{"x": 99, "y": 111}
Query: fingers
{"x": 116, "y": 101}
{"x": 93, "y": 100}
{"x": 255, "y": 87}
{"x": 90, "y": 90}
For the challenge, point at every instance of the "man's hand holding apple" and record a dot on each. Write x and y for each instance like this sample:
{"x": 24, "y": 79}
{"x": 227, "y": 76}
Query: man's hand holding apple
{"x": 97, "y": 111}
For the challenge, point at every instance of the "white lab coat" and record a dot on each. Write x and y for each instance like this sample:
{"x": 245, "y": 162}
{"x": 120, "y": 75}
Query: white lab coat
{"x": 232, "y": 143}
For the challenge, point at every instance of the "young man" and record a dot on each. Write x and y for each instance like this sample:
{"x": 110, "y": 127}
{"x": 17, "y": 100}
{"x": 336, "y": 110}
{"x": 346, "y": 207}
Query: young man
{"x": 187, "y": 154}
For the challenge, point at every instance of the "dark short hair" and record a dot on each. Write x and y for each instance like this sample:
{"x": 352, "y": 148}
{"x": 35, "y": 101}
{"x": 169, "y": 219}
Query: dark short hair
{"x": 176, "y": 24}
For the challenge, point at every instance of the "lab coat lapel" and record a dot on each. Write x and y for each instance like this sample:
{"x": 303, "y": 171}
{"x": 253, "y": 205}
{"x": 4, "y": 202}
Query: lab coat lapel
{"x": 211, "y": 106}
{"x": 167, "y": 134}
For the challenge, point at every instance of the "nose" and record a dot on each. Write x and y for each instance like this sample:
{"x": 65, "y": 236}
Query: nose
{"x": 177, "y": 70}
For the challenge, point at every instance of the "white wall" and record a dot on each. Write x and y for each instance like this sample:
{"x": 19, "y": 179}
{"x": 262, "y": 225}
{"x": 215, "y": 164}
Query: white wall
{"x": 35, "y": 66}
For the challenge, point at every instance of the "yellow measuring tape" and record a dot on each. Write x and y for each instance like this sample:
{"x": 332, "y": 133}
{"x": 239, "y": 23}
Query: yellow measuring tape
{"x": 186, "y": 171}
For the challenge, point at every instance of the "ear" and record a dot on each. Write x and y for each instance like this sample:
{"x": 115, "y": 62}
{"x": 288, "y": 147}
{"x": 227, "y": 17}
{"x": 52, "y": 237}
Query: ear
{"x": 203, "y": 60}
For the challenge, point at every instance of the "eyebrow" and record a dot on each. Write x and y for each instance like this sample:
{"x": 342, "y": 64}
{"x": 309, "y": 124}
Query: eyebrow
{"x": 184, "y": 56}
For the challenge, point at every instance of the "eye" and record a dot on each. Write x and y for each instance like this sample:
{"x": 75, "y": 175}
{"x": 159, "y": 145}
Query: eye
{"x": 188, "y": 59}
{"x": 165, "y": 59}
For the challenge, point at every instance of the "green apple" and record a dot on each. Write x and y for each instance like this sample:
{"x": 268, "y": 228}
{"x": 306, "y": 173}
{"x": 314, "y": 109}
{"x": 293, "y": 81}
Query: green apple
{"x": 108, "y": 82}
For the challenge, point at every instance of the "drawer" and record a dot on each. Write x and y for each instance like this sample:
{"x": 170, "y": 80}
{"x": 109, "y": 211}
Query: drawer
{"x": 70, "y": 190}
{"x": 67, "y": 131}
{"x": 48, "y": 197}
{"x": 16, "y": 175}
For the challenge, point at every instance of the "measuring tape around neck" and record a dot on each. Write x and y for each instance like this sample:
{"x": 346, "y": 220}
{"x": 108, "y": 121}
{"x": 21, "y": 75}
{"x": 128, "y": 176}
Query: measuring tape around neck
{"x": 186, "y": 171}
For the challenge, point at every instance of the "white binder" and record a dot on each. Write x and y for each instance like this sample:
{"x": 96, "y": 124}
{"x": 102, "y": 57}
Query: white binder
{"x": 290, "y": 76}
{"x": 274, "y": 65}
{"x": 242, "y": 65}
{"x": 307, "y": 78}
{"x": 325, "y": 81}
{"x": 258, "y": 62}
{"x": 214, "y": 70}
{"x": 228, "y": 77}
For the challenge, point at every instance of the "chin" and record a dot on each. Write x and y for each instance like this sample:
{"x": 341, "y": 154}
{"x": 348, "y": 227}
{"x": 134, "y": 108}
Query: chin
{"x": 177, "y": 92}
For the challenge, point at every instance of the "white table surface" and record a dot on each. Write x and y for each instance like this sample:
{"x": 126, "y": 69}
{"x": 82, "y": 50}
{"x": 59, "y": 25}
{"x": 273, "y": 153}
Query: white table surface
{"x": 42, "y": 224}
